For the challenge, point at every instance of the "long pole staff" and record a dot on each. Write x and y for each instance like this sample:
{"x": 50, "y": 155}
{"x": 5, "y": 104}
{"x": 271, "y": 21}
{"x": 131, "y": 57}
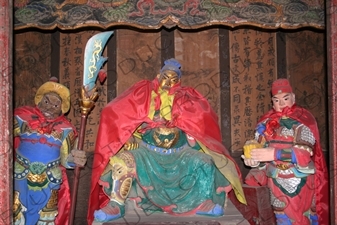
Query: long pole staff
{"x": 77, "y": 171}
{"x": 87, "y": 103}
{"x": 93, "y": 61}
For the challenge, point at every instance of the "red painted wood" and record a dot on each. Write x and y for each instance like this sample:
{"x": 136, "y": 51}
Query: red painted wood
{"x": 6, "y": 158}
{"x": 331, "y": 12}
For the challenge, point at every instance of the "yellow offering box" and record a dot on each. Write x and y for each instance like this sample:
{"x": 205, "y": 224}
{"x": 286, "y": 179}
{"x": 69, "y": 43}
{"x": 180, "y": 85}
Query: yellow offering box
{"x": 249, "y": 145}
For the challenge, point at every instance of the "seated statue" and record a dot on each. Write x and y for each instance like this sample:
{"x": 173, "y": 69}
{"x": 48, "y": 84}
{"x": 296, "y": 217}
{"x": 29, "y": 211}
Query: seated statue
{"x": 160, "y": 144}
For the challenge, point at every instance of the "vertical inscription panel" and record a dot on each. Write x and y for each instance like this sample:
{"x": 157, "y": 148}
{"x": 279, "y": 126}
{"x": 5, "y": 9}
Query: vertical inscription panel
{"x": 138, "y": 57}
{"x": 32, "y": 58}
{"x": 72, "y": 48}
{"x": 198, "y": 53}
{"x": 307, "y": 74}
{"x": 252, "y": 70}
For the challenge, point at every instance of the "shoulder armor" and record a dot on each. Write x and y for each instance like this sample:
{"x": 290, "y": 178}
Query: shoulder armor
{"x": 304, "y": 136}
{"x": 71, "y": 139}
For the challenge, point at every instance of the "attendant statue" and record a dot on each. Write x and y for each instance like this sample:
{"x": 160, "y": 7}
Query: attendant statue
{"x": 286, "y": 155}
{"x": 44, "y": 146}
{"x": 159, "y": 144}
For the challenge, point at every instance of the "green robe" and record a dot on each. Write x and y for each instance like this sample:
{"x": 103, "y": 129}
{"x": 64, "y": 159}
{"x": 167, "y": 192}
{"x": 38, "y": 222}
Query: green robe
{"x": 176, "y": 183}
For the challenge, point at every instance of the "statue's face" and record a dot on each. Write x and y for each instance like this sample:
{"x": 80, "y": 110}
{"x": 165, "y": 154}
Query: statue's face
{"x": 282, "y": 100}
{"x": 168, "y": 79}
{"x": 50, "y": 105}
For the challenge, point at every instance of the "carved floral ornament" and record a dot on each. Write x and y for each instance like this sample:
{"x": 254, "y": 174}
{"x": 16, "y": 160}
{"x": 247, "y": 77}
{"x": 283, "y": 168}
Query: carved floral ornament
{"x": 154, "y": 14}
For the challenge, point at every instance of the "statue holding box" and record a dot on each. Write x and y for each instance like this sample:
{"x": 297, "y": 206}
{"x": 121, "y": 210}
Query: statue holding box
{"x": 286, "y": 155}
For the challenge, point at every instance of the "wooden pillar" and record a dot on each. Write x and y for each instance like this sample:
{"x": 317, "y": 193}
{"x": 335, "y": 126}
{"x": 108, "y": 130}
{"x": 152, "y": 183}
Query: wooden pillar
{"x": 331, "y": 28}
{"x": 6, "y": 158}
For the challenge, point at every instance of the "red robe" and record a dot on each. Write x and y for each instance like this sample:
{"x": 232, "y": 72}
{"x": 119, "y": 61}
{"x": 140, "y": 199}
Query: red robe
{"x": 34, "y": 117}
{"x": 190, "y": 112}
{"x": 321, "y": 175}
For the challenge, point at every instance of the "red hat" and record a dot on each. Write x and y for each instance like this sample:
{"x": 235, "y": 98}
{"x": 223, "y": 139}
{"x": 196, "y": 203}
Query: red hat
{"x": 281, "y": 86}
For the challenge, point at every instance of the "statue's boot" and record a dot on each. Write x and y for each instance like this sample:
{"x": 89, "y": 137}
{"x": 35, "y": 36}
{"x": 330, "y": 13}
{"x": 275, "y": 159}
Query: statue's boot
{"x": 313, "y": 215}
{"x": 18, "y": 210}
{"x": 49, "y": 212}
{"x": 111, "y": 211}
{"x": 208, "y": 208}
{"x": 116, "y": 181}
{"x": 282, "y": 219}
{"x": 314, "y": 219}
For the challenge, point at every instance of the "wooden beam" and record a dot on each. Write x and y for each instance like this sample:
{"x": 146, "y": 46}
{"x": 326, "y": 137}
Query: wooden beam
{"x": 55, "y": 54}
{"x": 167, "y": 45}
{"x": 6, "y": 111}
{"x": 225, "y": 109}
{"x": 111, "y": 66}
{"x": 331, "y": 31}
{"x": 281, "y": 55}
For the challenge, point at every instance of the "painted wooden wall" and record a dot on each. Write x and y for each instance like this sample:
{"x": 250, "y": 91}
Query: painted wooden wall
{"x": 232, "y": 68}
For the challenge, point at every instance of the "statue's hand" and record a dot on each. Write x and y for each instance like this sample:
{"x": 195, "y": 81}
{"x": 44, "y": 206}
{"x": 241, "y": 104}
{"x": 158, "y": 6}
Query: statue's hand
{"x": 250, "y": 162}
{"x": 191, "y": 140}
{"x": 78, "y": 157}
{"x": 131, "y": 144}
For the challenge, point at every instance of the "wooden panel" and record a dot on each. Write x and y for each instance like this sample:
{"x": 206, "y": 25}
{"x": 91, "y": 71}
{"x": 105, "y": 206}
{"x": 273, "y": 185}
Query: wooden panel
{"x": 306, "y": 72}
{"x": 198, "y": 53}
{"x": 225, "y": 98}
{"x": 6, "y": 115}
{"x": 55, "y": 56}
{"x": 167, "y": 45}
{"x": 331, "y": 6}
{"x": 225, "y": 87}
{"x": 111, "y": 80}
{"x": 31, "y": 65}
{"x": 138, "y": 57}
{"x": 252, "y": 70}
{"x": 281, "y": 55}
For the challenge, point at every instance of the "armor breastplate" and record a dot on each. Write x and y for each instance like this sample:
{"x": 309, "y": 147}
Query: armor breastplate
{"x": 165, "y": 138}
{"x": 282, "y": 138}
{"x": 39, "y": 147}
{"x": 38, "y": 160}
{"x": 285, "y": 138}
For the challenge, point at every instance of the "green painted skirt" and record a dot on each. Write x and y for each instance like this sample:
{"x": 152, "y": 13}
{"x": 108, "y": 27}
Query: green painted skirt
{"x": 177, "y": 183}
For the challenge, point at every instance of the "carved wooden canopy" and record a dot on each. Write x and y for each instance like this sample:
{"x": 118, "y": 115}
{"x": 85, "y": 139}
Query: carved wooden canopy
{"x": 154, "y": 14}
